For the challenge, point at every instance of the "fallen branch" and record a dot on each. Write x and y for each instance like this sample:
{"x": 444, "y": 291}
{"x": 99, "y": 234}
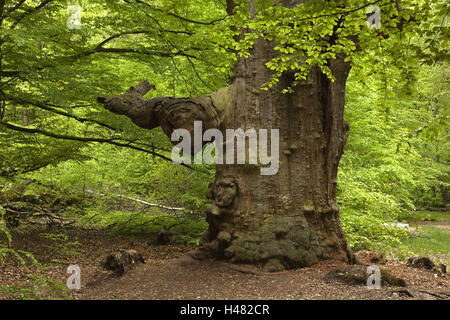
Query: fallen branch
{"x": 151, "y": 204}
{"x": 32, "y": 214}
{"x": 142, "y": 202}
{"x": 432, "y": 294}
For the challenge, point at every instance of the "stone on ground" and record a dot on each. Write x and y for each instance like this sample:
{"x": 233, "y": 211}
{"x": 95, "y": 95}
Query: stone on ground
{"x": 122, "y": 261}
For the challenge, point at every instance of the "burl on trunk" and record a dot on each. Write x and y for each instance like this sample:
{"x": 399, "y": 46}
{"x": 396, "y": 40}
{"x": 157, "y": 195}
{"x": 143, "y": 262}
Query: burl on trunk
{"x": 286, "y": 220}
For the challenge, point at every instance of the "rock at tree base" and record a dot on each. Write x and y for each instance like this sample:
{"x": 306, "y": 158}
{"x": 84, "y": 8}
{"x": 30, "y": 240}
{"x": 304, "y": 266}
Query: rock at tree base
{"x": 122, "y": 261}
{"x": 421, "y": 263}
{"x": 427, "y": 264}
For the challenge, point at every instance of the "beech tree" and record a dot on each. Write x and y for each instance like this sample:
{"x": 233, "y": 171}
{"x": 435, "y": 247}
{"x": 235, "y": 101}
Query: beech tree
{"x": 293, "y": 60}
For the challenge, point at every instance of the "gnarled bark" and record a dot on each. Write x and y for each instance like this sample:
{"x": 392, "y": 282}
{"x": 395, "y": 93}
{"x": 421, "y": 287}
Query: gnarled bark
{"x": 167, "y": 112}
{"x": 290, "y": 219}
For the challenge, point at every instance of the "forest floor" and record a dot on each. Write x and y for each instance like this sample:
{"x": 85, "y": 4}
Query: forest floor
{"x": 166, "y": 276}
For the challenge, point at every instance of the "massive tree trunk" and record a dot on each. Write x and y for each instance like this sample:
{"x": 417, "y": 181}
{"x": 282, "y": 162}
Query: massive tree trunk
{"x": 286, "y": 220}
{"x": 290, "y": 219}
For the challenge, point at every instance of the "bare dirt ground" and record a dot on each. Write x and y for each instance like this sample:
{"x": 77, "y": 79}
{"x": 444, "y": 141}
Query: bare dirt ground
{"x": 165, "y": 276}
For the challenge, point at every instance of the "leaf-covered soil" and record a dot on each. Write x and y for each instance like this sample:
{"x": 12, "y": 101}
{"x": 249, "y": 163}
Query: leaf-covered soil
{"x": 168, "y": 274}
